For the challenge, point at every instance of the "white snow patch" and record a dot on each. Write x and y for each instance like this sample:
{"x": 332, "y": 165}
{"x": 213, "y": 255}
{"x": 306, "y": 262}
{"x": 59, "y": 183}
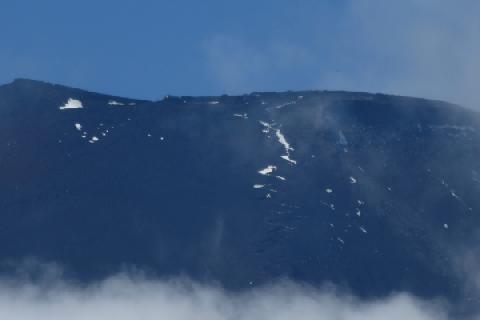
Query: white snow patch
{"x": 328, "y": 190}
{"x": 240, "y": 115}
{"x": 341, "y": 240}
{"x": 268, "y": 170}
{"x": 78, "y": 126}
{"x": 445, "y": 226}
{"x": 358, "y": 213}
{"x": 283, "y": 141}
{"x": 285, "y": 104}
{"x": 115, "y": 103}
{"x": 266, "y": 124}
{"x": 353, "y": 180}
{"x": 72, "y": 104}
{"x": 213, "y": 102}
{"x": 286, "y": 157}
{"x": 281, "y": 178}
{"x": 258, "y": 186}
{"x": 363, "y": 229}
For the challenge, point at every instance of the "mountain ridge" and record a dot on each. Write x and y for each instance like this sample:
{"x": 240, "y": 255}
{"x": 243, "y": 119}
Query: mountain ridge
{"x": 374, "y": 193}
{"x": 23, "y": 82}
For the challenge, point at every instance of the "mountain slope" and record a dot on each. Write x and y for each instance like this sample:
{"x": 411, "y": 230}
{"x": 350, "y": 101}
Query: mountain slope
{"x": 372, "y": 192}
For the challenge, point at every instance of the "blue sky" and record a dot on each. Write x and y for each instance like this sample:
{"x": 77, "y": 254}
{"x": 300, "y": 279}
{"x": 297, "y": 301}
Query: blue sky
{"x": 147, "y": 49}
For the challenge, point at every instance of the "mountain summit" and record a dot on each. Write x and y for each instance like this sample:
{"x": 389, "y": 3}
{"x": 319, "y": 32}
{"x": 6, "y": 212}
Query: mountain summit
{"x": 372, "y": 192}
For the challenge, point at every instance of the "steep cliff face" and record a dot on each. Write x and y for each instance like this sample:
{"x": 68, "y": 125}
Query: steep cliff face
{"x": 372, "y": 192}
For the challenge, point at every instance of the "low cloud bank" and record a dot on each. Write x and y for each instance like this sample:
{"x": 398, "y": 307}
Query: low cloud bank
{"x": 124, "y": 297}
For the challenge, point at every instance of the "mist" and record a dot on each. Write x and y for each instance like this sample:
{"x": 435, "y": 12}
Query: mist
{"x": 421, "y": 48}
{"x": 123, "y": 297}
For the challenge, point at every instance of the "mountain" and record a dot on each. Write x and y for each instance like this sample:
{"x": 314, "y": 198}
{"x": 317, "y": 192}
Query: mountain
{"x": 371, "y": 192}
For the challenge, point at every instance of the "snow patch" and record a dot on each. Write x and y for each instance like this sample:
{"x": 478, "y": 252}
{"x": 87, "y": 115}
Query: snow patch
{"x": 283, "y": 141}
{"x": 285, "y": 104}
{"x": 266, "y": 125}
{"x": 72, "y": 104}
{"x": 78, "y": 126}
{"x": 115, "y": 103}
{"x": 239, "y": 115}
{"x": 286, "y": 157}
{"x": 328, "y": 190}
{"x": 353, "y": 180}
{"x": 268, "y": 170}
{"x": 258, "y": 186}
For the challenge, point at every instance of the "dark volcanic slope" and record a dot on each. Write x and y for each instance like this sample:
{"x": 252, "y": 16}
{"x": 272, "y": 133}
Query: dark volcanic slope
{"x": 374, "y": 192}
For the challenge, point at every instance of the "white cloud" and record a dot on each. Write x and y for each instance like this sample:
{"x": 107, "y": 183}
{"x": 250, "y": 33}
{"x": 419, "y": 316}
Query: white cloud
{"x": 122, "y": 297}
{"x": 238, "y": 66}
{"x": 426, "y": 48}
{"x": 419, "y": 47}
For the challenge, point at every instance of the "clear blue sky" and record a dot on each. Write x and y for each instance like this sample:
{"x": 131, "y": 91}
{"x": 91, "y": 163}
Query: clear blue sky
{"x": 147, "y": 49}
